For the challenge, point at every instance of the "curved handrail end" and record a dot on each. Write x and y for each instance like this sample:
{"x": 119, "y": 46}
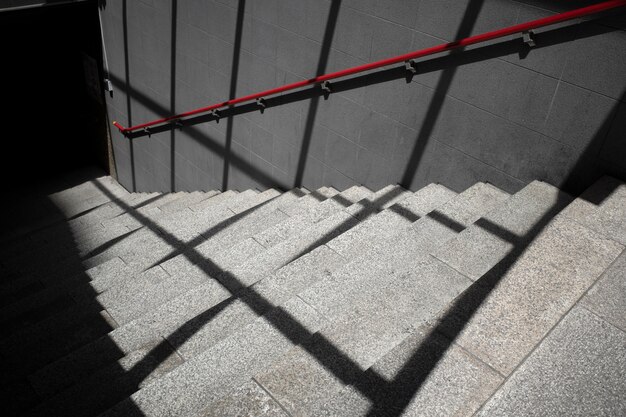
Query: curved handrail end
{"x": 119, "y": 126}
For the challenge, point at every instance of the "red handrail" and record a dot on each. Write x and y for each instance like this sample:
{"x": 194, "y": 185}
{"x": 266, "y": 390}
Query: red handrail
{"x": 523, "y": 27}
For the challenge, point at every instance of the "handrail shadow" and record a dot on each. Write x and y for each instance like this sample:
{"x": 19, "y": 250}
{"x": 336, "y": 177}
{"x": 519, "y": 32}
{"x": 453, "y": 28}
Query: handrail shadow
{"x": 446, "y": 63}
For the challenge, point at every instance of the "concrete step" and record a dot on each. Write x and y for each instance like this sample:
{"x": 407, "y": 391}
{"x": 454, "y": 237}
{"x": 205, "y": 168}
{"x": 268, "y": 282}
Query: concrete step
{"x": 87, "y": 195}
{"x": 170, "y": 263}
{"x": 170, "y": 204}
{"x": 41, "y": 209}
{"x": 170, "y": 316}
{"x": 396, "y": 253}
{"x": 585, "y": 355}
{"x": 479, "y": 340}
{"x": 198, "y": 335}
{"x": 65, "y": 235}
{"x": 143, "y": 247}
{"x": 115, "y": 277}
{"x": 297, "y": 245}
{"x": 359, "y": 333}
{"x": 188, "y": 224}
{"x": 482, "y": 246}
{"x": 77, "y": 289}
{"x": 51, "y": 300}
{"x": 224, "y": 365}
{"x": 193, "y": 198}
{"x": 525, "y": 287}
{"x": 318, "y": 303}
{"x": 304, "y": 216}
{"x": 93, "y": 245}
{"x": 122, "y": 302}
{"x": 373, "y": 303}
{"x": 28, "y": 282}
{"x": 602, "y": 208}
{"x": 111, "y": 384}
{"x": 308, "y": 265}
{"x": 48, "y": 340}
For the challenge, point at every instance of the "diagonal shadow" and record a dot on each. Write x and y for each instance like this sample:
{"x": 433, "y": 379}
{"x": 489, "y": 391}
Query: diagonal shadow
{"x": 118, "y": 239}
{"x": 232, "y": 92}
{"x": 211, "y": 232}
{"x": 406, "y": 383}
{"x": 223, "y": 225}
{"x": 544, "y": 40}
{"x": 472, "y": 11}
{"x": 173, "y": 29}
{"x": 128, "y": 89}
{"x": 388, "y": 397}
{"x": 329, "y": 355}
{"x": 322, "y": 63}
{"x": 393, "y": 398}
{"x": 469, "y": 19}
{"x": 368, "y": 209}
{"x": 475, "y": 54}
{"x": 197, "y": 135}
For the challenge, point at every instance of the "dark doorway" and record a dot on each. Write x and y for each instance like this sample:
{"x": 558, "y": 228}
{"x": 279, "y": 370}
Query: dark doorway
{"x": 53, "y": 118}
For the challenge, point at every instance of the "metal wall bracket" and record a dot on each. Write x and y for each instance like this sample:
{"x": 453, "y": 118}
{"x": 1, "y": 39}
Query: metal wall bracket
{"x": 261, "y": 103}
{"x": 216, "y": 114}
{"x": 411, "y": 69}
{"x": 529, "y": 38}
{"x": 147, "y": 131}
{"x": 108, "y": 86}
{"x": 326, "y": 89}
{"x": 410, "y": 66}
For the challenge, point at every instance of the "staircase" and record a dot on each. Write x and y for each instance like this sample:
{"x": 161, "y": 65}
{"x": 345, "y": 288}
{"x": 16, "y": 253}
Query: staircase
{"x": 321, "y": 303}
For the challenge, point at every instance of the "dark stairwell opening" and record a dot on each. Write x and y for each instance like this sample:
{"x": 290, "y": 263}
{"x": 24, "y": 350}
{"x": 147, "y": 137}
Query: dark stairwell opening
{"x": 52, "y": 102}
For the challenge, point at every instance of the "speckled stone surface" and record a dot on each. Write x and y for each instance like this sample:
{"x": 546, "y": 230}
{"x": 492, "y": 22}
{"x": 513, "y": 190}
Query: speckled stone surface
{"x": 108, "y": 274}
{"x": 289, "y": 250}
{"x": 481, "y": 246}
{"x": 191, "y": 199}
{"x": 518, "y": 302}
{"x": 213, "y": 201}
{"x": 249, "y": 400}
{"x": 189, "y": 224}
{"x": 326, "y": 304}
{"x": 479, "y": 199}
{"x": 609, "y": 215}
{"x": 379, "y": 227}
{"x": 143, "y": 249}
{"x": 301, "y": 274}
{"x": 307, "y": 213}
{"x": 425, "y": 375}
{"x": 81, "y": 363}
{"x": 258, "y": 199}
{"x": 144, "y": 292}
{"x": 451, "y": 381}
{"x": 194, "y": 385}
{"x": 229, "y": 235}
{"x": 368, "y": 320}
{"x": 607, "y": 298}
{"x": 577, "y": 370}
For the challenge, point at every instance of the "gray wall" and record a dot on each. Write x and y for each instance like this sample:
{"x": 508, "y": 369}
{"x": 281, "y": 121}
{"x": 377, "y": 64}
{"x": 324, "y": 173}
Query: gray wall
{"x": 500, "y": 113}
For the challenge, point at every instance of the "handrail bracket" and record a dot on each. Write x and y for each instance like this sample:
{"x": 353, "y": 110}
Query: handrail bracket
{"x": 261, "y": 103}
{"x": 326, "y": 89}
{"x": 529, "y": 38}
